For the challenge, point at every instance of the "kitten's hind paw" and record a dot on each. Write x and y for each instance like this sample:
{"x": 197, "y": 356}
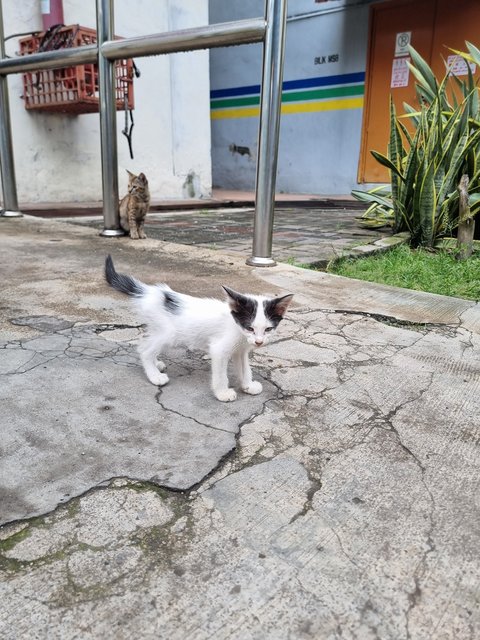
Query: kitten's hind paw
{"x": 157, "y": 378}
{"x": 254, "y": 388}
{"x": 226, "y": 395}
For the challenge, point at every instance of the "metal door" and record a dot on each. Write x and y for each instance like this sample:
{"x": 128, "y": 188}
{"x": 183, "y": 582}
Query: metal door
{"x": 433, "y": 27}
{"x": 392, "y": 26}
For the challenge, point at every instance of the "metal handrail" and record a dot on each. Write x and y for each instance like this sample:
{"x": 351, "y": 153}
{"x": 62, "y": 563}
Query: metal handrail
{"x": 216, "y": 35}
{"x": 58, "y": 59}
{"x": 270, "y": 30}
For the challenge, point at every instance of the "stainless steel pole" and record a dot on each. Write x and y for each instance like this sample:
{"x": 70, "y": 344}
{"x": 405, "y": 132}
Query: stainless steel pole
{"x": 7, "y": 166}
{"x": 108, "y": 117}
{"x": 270, "y": 105}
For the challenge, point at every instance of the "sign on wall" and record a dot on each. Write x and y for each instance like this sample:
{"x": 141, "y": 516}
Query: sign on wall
{"x": 402, "y": 40}
{"x": 458, "y": 66}
{"x": 400, "y": 73}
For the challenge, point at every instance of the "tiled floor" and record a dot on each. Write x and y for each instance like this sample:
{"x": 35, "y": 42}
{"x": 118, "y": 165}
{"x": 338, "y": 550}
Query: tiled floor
{"x": 301, "y": 235}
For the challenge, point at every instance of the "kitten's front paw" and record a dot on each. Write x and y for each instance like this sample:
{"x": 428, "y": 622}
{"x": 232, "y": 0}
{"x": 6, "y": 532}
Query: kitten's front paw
{"x": 142, "y": 235}
{"x": 157, "y": 378}
{"x": 161, "y": 365}
{"x": 254, "y": 388}
{"x": 227, "y": 395}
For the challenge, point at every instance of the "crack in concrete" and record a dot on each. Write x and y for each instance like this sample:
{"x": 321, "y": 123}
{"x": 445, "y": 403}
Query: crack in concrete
{"x": 342, "y": 549}
{"x": 228, "y": 457}
{"x": 72, "y": 544}
{"x": 460, "y": 317}
{"x": 415, "y": 595}
{"x": 100, "y": 328}
{"x": 80, "y": 594}
{"x": 423, "y": 327}
{"x": 181, "y": 415}
{"x": 24, "y": 369}
{"x": 467, "y": 344}
{"x": 315, "y": 486}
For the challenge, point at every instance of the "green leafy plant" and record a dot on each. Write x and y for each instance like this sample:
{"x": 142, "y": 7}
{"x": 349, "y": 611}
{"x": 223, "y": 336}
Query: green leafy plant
{"x": 426, "y": 164}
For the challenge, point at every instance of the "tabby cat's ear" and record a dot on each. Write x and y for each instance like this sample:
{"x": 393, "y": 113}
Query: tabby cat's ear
{"x": 132, "y": 175}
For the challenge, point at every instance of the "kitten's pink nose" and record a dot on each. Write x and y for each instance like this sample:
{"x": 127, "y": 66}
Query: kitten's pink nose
{"x": 259, "y": 342}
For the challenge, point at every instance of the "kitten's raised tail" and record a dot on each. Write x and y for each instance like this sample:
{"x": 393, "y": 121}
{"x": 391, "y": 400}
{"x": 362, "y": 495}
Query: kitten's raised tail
{"x": 121, "y": 282}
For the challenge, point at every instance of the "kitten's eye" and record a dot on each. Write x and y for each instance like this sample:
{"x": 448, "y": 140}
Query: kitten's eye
{"x": 268, "y": 329}
{"x": 251, "y": 329}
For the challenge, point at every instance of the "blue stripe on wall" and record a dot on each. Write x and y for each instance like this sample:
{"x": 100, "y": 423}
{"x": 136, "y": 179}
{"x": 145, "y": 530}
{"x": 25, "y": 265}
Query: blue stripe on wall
{"x": 237, "y": 91}
{"x": 345, "y": 78}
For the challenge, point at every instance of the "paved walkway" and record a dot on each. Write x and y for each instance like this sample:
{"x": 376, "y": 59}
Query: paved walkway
{"x": 308, "y": 229}
{"x": 301, "y": 235}
{"x": 341, "y": 503}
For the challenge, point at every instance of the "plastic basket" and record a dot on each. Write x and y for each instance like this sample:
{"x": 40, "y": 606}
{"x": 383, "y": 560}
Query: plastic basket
{"x": 71, "y": 90}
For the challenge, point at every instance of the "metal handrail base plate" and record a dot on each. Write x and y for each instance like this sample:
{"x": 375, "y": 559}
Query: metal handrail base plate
{"x": 11, "y": 214}
{"x": 112, "y": 233}
{"x": 255, "y": 261}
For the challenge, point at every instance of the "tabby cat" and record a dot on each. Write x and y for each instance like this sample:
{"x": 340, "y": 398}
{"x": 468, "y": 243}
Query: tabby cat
{"x": 227, "y": 330}
{"x": 134, "y": 206}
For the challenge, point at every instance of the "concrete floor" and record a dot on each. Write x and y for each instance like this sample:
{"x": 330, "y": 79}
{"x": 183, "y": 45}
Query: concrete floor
{"x": 342, "y": 502}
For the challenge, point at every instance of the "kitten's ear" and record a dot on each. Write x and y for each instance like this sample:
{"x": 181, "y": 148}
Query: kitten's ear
{"x": 234, "y": 298}
{"x": 131, "y": 175}
{"x": 281, "y": 304}
{"x": 142, "y": 177}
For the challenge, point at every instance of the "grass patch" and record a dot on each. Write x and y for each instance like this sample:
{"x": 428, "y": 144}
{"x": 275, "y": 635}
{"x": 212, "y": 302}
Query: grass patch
{"x": 434, "y": 272}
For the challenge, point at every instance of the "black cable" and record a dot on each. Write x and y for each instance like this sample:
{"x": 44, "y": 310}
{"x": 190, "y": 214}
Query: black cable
{"x": 127, "y": 131}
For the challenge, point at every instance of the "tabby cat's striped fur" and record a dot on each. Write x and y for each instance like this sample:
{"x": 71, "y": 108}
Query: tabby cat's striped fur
{"x": 134, "y": 206}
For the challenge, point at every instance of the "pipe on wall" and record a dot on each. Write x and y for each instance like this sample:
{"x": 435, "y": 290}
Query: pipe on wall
{"x": 52, "y": 13}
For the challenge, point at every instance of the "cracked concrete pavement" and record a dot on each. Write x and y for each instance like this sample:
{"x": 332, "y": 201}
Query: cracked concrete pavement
{"x": 342, "y": 502}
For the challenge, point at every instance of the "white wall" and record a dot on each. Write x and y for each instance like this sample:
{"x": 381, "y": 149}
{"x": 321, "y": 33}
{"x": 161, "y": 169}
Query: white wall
{"x": 57, "y": 157}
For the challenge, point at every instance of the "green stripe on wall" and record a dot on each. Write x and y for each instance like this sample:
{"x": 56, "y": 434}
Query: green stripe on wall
{"x": 294, "y": 96}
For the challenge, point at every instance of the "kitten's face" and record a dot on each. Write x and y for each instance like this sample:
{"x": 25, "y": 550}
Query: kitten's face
{"x": 136, "y": 183}
{"x": 257, "y": 317}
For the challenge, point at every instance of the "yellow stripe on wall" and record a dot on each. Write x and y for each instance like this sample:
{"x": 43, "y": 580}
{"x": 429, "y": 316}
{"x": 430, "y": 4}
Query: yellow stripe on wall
{"x": 323, "y": 105}
{"x": 303, "y": 107}
{"x": 247, "y": 112}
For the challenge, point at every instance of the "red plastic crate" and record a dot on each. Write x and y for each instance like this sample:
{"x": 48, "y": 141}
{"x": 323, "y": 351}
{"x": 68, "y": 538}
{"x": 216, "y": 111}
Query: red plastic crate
{"x": 73, "y": 89}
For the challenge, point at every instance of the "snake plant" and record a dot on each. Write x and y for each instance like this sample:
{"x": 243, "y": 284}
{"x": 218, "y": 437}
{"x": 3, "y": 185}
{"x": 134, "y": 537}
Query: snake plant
{"x": 427, "y": 159}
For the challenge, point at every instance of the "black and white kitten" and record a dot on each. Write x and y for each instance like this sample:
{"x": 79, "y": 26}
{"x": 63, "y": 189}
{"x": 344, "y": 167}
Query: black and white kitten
{"x": 227, "y": 330}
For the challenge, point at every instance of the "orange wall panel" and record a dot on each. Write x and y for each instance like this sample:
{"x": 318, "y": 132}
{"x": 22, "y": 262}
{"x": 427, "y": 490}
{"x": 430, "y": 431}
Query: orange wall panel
{"x": 387, "y": 20}
{"x": 455, "y": 22}
{"x": 435, "y": 26}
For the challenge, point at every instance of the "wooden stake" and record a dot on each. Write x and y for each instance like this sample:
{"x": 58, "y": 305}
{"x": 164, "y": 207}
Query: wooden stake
{"x": 466, "y": 224}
